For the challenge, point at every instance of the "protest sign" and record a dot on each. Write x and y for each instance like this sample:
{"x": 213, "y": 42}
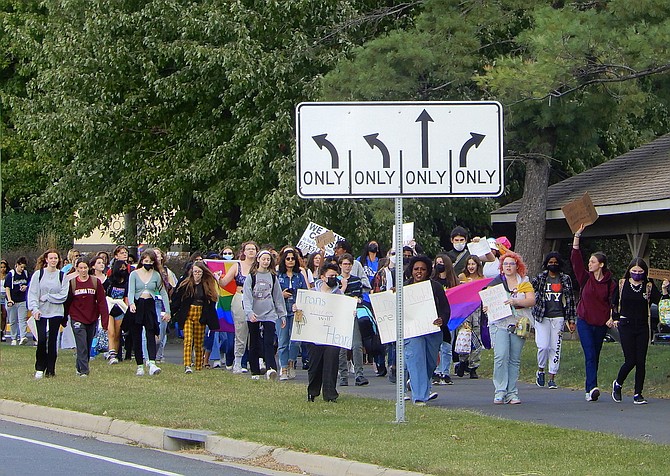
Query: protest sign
{"x": 494, "y": 299}
{"x": 308, "y": 242}
{"x": 419, "y": 312}
{"x": 407, "y": 234}
{"x": 481, "y": 248}
{"x": 325, "y": 318}
{"x": 580, "y": 212}
{"x": 660, "y": 274}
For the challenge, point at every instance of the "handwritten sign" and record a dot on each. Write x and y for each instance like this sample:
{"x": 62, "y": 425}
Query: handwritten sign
{"x": 660, "y": 274}
{"x": 419, "y": 312}
{"x": 326, "y": 318}
{"x": 308, "y": 242}
{"x": 481, "y": 248}
{"x": 494, "y": 298}
{"x": 580, "y": 212}
{"x": 325, "y": 239}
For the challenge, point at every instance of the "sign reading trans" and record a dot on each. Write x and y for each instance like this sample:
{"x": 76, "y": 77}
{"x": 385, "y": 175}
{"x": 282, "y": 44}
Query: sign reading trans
{"x": 399, "y": 149}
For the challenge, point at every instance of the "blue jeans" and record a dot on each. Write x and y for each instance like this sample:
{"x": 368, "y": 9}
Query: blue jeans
{"x": 445, "y": 359}
{"x": 221, "y": 345}
{"x": 287, "y": 349}
{"x": 591, "y": 338}
{"x": 421, "y": 358}
{"x": 162, "y": 328}
{"x": 507, "y": 348}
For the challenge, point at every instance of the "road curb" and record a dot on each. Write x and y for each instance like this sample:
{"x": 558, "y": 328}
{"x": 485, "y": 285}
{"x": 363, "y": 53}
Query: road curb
{"x": 156, "y": 437}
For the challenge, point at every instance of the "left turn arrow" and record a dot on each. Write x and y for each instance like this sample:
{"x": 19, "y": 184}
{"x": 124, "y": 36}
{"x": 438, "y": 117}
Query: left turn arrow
{"x": 322, "y": 142}
{"x": 372, "y": 140}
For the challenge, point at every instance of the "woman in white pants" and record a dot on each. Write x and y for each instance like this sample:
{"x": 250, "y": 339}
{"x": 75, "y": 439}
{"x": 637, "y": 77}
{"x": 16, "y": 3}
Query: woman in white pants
{"x": 554, "y": 305}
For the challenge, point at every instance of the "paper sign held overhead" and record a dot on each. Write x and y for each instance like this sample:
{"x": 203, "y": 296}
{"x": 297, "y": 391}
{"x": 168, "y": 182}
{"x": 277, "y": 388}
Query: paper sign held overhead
{"x": 580, "y": 212}
{"x": 325, "y": 239}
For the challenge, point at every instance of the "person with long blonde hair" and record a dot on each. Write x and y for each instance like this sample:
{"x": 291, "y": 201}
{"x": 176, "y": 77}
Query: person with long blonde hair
{"x": 194, "y": 304}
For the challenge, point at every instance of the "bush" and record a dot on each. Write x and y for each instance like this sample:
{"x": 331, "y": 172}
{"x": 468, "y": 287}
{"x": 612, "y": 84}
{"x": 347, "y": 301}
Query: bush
{"x": 21, "y": 231}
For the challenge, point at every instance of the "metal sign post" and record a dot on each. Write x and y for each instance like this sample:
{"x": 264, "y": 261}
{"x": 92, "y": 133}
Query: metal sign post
{"x": 396, "y": 150}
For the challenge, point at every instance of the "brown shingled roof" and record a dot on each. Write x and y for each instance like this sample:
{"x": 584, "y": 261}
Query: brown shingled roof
{"x": 610, "y": 183}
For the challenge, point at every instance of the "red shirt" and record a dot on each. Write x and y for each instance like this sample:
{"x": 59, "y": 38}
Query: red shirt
{"x": 88, "y": 302}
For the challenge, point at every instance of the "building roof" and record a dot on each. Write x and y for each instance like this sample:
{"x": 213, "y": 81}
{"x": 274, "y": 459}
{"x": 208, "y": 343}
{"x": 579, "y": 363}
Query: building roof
{"x": 637, "y": 181}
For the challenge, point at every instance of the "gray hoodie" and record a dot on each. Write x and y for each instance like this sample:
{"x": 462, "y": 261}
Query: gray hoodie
{"x": 48, "y": 294}
{"x": 265, "y": 300}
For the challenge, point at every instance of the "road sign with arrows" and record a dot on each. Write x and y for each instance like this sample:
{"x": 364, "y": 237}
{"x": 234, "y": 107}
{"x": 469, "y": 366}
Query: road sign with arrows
{"x": 399, "y": 149}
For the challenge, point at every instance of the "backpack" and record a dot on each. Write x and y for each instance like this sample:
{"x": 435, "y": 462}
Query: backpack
{"x": 73, "y": 284}
{"x": 253, "y": 282}
{"x": 60, "y": 275}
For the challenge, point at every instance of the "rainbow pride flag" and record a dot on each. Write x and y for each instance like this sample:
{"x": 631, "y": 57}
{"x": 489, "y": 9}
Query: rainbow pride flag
{"x": 226, "y": 323}
{"x": 464, "y": 300}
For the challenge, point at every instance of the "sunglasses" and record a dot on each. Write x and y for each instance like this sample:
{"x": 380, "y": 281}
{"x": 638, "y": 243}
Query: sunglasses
{"x": 227, "y": 253}
{"x": 290, "y": 258}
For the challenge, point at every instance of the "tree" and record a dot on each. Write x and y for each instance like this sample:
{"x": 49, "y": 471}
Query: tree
{"x": 181, "y": 113}
{"x": 577, "y": 82}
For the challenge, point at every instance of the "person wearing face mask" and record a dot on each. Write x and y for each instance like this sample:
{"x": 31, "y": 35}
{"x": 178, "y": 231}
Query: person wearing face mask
{"x": 443, "y": 273}
{"x": 227, "y": 253}
{"x": 369, "y": 259}
{"x": 143, "y": 284}
{"x": 554, "y": 305}
{"x": 632, "y": 300}
{"x": 459, "y": 255}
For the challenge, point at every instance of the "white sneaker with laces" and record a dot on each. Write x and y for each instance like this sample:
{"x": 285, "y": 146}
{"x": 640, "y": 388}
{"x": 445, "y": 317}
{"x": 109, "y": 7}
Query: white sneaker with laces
{"x": 237, "y": 369}
{"x": 140, "y": 370}
{"x": 216, "y": 364}
{"x": 39, "y": 375}
{"x": 113, "y": 361}
{"x": 188, "y": 369}
{"x": 23, "y": 341}
{"x": 153, "y": 368}
{"x": 14, "y": 342}
{"x": 271, "y": 374}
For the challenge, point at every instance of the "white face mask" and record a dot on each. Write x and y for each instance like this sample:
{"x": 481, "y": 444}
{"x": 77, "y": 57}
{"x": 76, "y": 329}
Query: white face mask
{"x": 459, "y": 246}
{"x": 392, "y": 259}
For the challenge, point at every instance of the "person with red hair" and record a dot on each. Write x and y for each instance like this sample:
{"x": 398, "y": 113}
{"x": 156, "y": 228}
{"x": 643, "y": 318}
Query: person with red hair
{"x": 507, "y": 345}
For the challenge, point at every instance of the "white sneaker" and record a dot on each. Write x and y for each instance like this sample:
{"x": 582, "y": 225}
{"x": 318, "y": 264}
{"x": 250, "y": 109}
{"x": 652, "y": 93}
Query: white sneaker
{"x": 39, "y": 374}
{"x": 216, "y": 364}
{"x": 229, "y": 367}
{"x": 255, "y": 377}
{"x": 14, "y": 342}
{"x": 153, "y": 369}
{"x": 245, "y": 371}
{"x": 23, "y": 341}
{"x": 187, "y": 370}
{"x": 140, "y": 370}
{"x": 113, "y": 361}
{"x": 283, "y": 375}
{"x": 237, "y": 369}
{"x": 271, "y": 375}
{"x": 83, "y": 375}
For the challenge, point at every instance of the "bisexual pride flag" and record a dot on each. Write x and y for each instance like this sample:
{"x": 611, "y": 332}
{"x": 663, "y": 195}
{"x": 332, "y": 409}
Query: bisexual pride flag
{"x": 464, "y": 300}
{"x": 226, "y": 323}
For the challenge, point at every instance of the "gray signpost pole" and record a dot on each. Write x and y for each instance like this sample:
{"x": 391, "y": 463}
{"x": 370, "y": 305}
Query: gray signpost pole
{"x": 400, "y": 342}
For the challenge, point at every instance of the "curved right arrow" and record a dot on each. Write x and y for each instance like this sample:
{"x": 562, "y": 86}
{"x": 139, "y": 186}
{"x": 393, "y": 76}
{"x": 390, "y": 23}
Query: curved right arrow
{"x": 322, "y": 142}
{"x": 475, "y": 140}
{"x": 373, "y": 141}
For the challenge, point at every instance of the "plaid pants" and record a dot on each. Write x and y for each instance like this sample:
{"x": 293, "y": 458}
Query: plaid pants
{"x": 194, "y": 336}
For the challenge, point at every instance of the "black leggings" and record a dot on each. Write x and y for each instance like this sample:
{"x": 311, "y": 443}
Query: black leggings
{"x": 634, "y": 337}
{"x": 46, "y": 353}
{"x": 261, "y": 346}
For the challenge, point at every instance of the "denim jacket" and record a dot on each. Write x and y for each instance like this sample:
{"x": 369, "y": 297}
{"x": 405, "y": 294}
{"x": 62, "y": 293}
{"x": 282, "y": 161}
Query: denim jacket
{"x": 295, "y": 282}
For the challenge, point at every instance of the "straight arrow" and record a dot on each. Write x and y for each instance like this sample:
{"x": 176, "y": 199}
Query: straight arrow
{"x": 424, "y": 118}
{"x": 373, "y": 141}
{"x": 322, "y": 142}
{"x": 475, "y": 140}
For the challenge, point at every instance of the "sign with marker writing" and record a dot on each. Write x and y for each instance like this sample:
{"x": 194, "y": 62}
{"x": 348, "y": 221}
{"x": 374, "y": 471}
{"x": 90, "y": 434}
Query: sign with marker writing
{"x": 326, "y": 318}
{"x": 419, "y": 312}
{"x": 310, "y": 241}
{"x": 399, "y": 149}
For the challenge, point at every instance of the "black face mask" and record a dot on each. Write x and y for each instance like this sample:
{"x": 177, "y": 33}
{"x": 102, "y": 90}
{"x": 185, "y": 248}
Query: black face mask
{"x": 405, "y": 261}
{"x": 332, "y": 282}
{"x": 373, "y": 248}
{"x": 554, "y": 268}
{"x": 440, "y": 268}
{"x": 148, "y": 266}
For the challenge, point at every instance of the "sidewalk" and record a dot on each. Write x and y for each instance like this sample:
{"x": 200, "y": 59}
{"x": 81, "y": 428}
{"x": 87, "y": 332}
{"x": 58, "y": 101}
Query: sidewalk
{"x": 561, "y": 407}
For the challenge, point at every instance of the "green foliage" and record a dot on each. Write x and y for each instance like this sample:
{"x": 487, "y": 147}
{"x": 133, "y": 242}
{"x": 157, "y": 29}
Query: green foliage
{"x": 28, "y": 230}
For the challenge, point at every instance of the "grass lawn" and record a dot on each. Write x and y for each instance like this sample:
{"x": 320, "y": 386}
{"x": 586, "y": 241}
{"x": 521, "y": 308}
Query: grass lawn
{"x": 437, "y": 441}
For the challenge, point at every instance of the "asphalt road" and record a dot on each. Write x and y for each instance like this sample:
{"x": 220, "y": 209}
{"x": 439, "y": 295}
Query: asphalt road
{"x": 561, "y": 407}
{"x": 32, "y": 450}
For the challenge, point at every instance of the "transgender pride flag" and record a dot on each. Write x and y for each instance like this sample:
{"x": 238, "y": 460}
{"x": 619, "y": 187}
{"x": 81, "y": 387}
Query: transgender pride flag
{"x": 226, "y": 323}
{"x": 464, "y": 300}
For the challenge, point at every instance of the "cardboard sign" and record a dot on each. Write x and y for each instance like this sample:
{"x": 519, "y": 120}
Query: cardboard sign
{"x": 580, "y": 212}
{"x": 308, "y": 243}
{"x": 419, "y": 312}
{"x": 325, "y": 318}
{"x": 325, "y": 239}
{"x": 494, "y": 299}
{"x": 660, "y": 274}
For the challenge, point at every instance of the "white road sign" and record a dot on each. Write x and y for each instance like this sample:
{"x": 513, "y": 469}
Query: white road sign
{"x": 399, "y": 149}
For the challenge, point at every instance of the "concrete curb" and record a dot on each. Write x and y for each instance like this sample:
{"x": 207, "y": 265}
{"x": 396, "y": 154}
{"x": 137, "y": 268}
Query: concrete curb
{"x": 156, "y": 437}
